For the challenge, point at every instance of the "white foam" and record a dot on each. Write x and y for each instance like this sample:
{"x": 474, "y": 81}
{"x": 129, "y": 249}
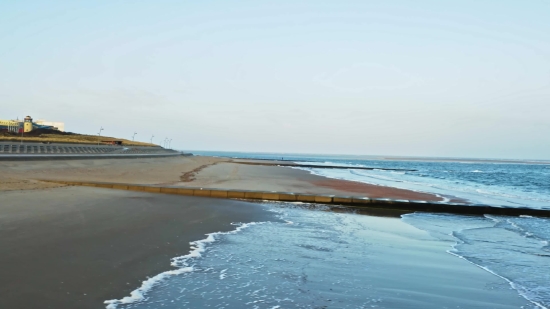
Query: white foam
{"x": 197, "y": 248}
{"x": 328, "y": 163}
{"x": 430, "y": 183}
{"x": 364, "y": 179}
{"x": 520, "y": 289}
{"x": 223, "y": 274}
{"x": 147, "y": 285}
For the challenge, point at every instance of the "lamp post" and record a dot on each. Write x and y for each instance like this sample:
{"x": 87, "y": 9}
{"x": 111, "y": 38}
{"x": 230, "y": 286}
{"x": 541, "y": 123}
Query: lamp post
{"x": 134, "y": 136}
{"x": 152, "y": 138}
{"x": 99, "y": 134}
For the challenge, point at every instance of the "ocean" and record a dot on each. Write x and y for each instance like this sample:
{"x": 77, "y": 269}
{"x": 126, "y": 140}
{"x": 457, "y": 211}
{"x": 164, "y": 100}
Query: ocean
{"x": 311, "y": 257}
{"x": 491, "y": 182}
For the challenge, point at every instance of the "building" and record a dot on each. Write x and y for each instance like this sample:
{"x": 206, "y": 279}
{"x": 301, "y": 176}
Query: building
{"x": 59, "y": 125}
{"x": 11, "y": 125}
{"x": 27, "y": 125}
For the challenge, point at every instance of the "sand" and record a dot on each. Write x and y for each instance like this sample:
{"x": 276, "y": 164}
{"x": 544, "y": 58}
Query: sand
{"x": 76, "y": 247}
{"x": 231, "y": 175}
{"x": 197, "y": 171}
{"x": 19, "y": 175}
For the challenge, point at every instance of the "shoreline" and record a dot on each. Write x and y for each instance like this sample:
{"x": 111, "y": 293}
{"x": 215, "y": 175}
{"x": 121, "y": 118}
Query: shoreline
{"x": 76, "y": 247}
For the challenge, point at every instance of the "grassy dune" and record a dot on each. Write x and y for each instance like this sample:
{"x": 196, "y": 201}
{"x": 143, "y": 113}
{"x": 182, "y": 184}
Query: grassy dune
{"x": 68, "y": 138}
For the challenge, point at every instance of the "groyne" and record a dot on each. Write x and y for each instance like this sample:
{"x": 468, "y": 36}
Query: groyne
{"x": 280, "y": 163}
{"x": 358, "y": 202}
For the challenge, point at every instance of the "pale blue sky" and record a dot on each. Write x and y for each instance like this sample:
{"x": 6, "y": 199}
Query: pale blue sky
{"x": 422, "y": 78}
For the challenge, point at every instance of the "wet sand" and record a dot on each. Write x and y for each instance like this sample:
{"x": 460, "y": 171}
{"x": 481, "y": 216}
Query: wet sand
{"x": 229, "y": 175}
{"x": 76, "y": 247}
{"x": 23, "y": 175}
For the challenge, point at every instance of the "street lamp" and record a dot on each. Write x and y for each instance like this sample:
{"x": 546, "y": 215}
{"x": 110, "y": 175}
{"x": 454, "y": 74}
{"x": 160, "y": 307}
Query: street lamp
{"x": 99, "y": 134}
{"x": 152, "y": 138}
{"x": 134, "y": 135}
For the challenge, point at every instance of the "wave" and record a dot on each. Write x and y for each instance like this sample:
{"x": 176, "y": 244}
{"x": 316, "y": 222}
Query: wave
{"x": 197, "y": 248}
{"x": 486, "y": 242}
{"x": 493, "y": 188}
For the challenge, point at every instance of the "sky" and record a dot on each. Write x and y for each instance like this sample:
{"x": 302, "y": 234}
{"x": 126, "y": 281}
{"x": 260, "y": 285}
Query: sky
{"x": 404, "y": 78}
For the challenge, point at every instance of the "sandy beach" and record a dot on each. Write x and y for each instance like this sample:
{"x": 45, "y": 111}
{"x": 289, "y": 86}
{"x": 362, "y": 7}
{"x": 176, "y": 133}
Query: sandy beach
{"x": 75, "y": 247}
{"x": 196, "y": 171}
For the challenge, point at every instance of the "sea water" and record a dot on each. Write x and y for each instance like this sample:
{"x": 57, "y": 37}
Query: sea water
{"x": 500, "y": 184}
{"x": 515, "y": 249}
{"x": 491, "y": 182}
{"x": 314, "y": 258}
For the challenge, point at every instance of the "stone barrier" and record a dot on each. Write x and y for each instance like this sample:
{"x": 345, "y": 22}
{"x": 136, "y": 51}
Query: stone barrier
{"x": 186, "y": 191}
{"x": 235, "y": 194}
{"x": 135, "y": 188}
{"x": 272, "y": 196}
{"x": 120, "y": 187}
{"x": 307, "y": 198}
{"x": 152, "y": 189}
{"x": 287, "y": 197}
{"x": 218, "y": 193}
{"x": 324, "y": 199}
{"x": 201, "y": 192}
{"x": 368, "y": 205}
{"x": 168, "y": 190}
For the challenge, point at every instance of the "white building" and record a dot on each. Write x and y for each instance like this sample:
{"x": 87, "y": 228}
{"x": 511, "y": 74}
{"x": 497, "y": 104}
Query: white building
{"x": 59, "y": 125}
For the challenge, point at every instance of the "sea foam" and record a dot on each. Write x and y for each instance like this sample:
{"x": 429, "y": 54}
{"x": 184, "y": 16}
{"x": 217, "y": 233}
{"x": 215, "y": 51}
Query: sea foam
{"x": 197, "y": 248}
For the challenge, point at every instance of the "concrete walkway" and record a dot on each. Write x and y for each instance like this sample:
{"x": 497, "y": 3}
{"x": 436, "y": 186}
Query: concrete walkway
{"x": 22, "y": 151}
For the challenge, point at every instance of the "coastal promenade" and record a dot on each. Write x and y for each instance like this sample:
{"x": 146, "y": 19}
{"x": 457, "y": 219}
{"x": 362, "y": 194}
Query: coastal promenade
{"x": 39, "y": 151}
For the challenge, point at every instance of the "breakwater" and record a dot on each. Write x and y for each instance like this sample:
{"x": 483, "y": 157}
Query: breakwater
{"x": 280, "y": 163}
{"x": 358, "y": 202}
